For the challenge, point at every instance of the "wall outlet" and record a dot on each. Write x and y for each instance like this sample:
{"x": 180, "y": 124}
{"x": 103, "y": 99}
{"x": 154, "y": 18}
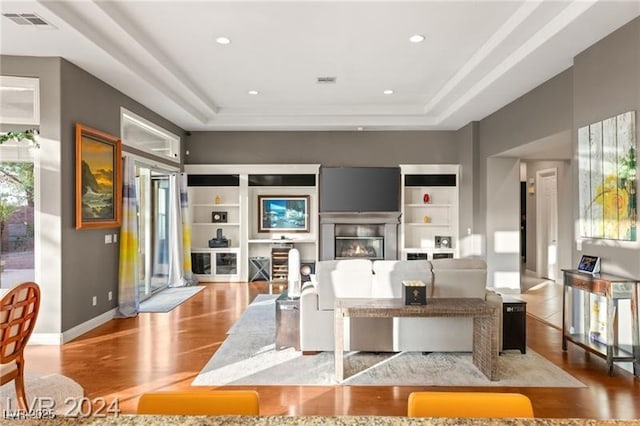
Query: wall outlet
{"x": 107, "y": 239}
{"x": 115, "y": 238}
{"x": 95, "y": 300}
{"x": 110, "y": 295}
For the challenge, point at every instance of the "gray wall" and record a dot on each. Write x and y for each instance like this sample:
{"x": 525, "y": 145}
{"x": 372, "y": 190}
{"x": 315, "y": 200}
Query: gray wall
{"x": 48, "y": 255}
{"x": 468, "y": 195}
{"x": 606, "y": 83}
{"x": 503, "y": 224}
{"x": 89, "y": 267}
{"x": 327, "y": 148}
{"x": 75, "y": 264}
{"x": 544, "y": 111}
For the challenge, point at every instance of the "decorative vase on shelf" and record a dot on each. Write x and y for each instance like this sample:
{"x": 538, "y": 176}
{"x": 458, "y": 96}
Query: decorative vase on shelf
{"x": 426, "y": 219}
{"x": 426, "y": 197}
{"x": 218, "y": 199}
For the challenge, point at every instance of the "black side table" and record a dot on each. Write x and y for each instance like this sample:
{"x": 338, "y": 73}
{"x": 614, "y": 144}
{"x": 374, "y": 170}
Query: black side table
{"x": 514, "y": 324}
{"x": 287, "y": 322}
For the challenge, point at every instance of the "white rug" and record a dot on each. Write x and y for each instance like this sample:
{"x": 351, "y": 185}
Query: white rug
{"x": 49, "y": 389}
{"x": 248, "y": 357}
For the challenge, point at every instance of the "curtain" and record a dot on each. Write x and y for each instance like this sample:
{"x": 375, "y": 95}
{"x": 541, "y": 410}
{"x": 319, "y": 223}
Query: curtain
{"x": 179, "y": 233}
{"x": 128, "y": 298}
{"x": 186, "y": 230}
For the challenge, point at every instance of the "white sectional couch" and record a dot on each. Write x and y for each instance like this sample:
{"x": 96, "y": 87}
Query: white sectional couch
{"x": 383, "y": 279}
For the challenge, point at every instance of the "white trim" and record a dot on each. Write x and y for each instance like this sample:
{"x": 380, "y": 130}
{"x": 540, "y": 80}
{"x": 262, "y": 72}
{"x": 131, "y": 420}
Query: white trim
{"x": 150, "y": 163}
{"x": 56, "y": 339}
{"x": 418, "y": 169}
{"x": 171, "y": 139}
{"x": 49, "y": 339}
{"x": 87, "y": 326}
{"x": 252, "y": 169}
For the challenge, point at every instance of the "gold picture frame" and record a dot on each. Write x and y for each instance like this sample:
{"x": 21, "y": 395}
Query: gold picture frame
{"x": 98, "y": 179}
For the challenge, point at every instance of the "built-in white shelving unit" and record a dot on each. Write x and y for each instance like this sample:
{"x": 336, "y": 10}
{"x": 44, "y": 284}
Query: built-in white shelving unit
{"x": 248, "y": 246}
{"x": 214, "y": 204}
{"x": 429, "y": 221}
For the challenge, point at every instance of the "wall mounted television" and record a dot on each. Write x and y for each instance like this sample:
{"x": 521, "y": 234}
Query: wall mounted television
{"x": 359, "y": 189}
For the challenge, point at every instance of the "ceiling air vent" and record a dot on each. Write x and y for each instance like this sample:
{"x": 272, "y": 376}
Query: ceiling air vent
{"x": 326, "y": 80}
{"x": 28, "y": 19}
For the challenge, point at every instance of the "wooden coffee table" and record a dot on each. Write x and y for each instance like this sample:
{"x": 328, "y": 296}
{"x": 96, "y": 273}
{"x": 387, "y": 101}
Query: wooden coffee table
{"x": 485, "y": 324}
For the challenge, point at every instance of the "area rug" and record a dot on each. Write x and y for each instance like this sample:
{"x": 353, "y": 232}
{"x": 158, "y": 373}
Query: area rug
{"x": 168, "y": 299}
{"x": 248, "y": 357}
{"x": 49, "y": 389}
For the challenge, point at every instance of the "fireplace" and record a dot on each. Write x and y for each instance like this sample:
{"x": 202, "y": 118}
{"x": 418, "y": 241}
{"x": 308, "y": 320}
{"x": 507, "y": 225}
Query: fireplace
{"x": 360, "y": 241}
{"x": 359, "y": 235}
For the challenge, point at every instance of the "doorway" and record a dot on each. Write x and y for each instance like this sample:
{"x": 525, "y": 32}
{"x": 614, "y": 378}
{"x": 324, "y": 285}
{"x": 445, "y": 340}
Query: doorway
{"x": 153, "y": 229}
{"x": 547, "y": 224}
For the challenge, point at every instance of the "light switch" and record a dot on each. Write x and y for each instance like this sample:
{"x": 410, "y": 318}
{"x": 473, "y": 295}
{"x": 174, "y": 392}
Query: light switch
{"x": 579, "y": 245}
{"x": 107, "y": 239}
{"x": 115, "y": 238}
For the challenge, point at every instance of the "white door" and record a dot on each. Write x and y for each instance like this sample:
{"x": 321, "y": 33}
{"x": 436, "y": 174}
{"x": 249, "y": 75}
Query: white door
{"x": 547, "y": 223}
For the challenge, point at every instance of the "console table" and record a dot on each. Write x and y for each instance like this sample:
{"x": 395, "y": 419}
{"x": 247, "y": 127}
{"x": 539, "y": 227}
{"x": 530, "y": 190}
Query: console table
{"x": 485, "y": 324}
{"x": 614, "y": 289}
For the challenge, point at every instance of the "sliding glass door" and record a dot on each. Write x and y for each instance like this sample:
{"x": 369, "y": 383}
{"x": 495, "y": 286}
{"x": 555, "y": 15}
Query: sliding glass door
{"x": 17, "y": 196}
{"x": 153, "y": 228}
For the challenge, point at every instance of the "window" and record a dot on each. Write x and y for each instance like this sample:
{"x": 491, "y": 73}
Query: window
{"x": 146, "y": 136}
{"x": 19, "y": 100}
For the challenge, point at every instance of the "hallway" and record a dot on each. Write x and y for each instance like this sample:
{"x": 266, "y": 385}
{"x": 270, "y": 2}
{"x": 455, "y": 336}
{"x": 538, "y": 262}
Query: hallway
{"x": 544, "y": 301}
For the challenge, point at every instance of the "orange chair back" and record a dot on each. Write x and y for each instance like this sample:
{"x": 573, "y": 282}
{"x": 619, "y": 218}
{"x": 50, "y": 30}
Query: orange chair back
{"x": 212, "y": 403}
{"x": 469, "y": 405}
{"x": 18, "y": 313}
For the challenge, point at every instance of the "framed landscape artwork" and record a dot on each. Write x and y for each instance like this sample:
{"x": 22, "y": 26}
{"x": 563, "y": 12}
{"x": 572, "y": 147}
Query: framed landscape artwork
{"x": 286, "y": 213}
{"x": 98, "y": 179}
{"x": 607, "y": 178}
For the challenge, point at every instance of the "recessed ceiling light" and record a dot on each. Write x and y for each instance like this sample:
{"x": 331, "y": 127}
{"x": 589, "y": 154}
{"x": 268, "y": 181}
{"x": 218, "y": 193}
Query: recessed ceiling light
{"x": 416, "y": 38}
{"x": 223, "y": 40}
{"x": 359, "y": 129}
{"x": 388, "y": 92}
{"x": 253, "y": 92}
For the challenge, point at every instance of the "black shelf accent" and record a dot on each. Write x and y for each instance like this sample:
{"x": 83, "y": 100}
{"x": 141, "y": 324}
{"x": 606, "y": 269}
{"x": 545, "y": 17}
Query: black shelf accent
{"x": 282, "y": 180}
{"x": 430, "y": 180}
{"x": 213, "y": 180}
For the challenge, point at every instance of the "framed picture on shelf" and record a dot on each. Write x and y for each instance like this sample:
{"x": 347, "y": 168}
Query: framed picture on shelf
{"x": 283, "y": 213}
{"x": 98, "y": 179}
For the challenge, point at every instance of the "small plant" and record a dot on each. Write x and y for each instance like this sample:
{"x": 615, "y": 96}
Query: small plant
{"x": 29, "y": 134}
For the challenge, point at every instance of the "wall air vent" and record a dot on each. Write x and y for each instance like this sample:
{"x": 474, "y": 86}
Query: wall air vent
{"x": 326, "y": 80}
{"x": 30, "y": 19}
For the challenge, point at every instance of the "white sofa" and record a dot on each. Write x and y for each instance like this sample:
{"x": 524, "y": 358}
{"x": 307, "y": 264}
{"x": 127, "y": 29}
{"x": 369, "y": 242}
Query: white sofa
{"x": 363, "y": 278}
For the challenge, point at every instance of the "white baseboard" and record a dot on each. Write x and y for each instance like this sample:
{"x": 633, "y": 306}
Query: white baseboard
{"x": 72, "y": 333}
{"x": 50, "y": 339}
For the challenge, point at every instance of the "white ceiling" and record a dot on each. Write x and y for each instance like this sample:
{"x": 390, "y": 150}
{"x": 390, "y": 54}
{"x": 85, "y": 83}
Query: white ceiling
{"x": 477, "y": 57}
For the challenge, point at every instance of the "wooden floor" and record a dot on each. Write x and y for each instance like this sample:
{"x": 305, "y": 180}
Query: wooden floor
{"x": 127, "y": 357}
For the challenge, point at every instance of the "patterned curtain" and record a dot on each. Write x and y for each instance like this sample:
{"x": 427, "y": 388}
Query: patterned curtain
{"x": 186, "y": 231}
{"x": 128, "y": 298}
{"x": 179, "y": 233}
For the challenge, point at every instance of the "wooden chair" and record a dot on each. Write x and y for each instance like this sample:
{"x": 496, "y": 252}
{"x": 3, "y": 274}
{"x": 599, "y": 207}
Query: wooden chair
{"x": 18, "y": 313}
{"x": 213, "y": 403}
{"x": 469, "y": 405}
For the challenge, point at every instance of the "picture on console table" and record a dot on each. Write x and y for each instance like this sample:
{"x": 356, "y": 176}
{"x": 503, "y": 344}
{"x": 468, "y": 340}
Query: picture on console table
{"x": 286, "y": 213}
